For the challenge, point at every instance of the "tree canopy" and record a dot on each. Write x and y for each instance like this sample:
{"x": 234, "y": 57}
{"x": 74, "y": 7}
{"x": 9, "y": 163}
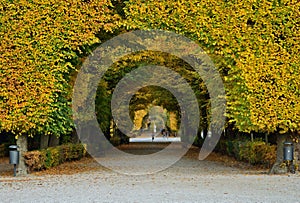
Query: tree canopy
{"x": 255, "y": 45}
{"x": 40, "y": 44}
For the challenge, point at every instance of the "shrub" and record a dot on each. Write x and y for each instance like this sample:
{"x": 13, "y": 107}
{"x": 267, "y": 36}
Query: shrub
{"x": 222, "y": 146}
{"x": 35, "y": 160}
{"x": 232, "y": 147}
{"x": 53, "y": 156}
{"x": 256, "y": 152}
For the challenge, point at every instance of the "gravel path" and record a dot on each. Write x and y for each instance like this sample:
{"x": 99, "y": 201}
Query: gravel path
{"x": 188, "y": 180}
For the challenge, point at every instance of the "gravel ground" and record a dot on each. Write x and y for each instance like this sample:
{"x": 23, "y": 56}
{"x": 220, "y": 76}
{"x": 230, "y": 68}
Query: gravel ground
{"x": 188, "y": 180}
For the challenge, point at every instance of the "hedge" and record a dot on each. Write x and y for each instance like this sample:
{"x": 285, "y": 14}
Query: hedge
{"x": 253, "y": 152}
{"x": 53, "y": 156}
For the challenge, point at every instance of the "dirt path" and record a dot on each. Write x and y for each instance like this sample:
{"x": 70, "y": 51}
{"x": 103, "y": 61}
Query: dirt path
{"x": 188, "y": 180}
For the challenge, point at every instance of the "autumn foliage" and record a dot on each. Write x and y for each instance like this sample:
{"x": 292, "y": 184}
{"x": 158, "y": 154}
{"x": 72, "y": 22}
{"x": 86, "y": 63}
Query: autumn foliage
{"x": 255, "y": 45}
{"x": 53, "y": 156}
{"x": 40, "y": 44}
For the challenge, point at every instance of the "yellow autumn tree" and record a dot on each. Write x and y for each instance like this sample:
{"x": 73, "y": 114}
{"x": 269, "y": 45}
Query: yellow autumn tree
{"x": 254, "y": 43}
{"x": 40, "y": 43}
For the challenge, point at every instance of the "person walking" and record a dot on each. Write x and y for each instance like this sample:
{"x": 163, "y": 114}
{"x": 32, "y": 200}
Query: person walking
{"x": 163, "y": 132}
{"x": 148, "y": 123}
{"x": 154, "y": 131}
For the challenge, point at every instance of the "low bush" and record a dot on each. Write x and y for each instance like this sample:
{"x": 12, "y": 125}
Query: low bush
{"x": 35, "y": 160}
{"x": 256, "y": 152}
{"x": 53, "y": 156}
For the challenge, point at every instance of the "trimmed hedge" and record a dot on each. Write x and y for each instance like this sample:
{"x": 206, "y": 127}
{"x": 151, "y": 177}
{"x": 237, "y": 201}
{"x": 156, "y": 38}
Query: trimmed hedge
{"x": 256, "y": 152}
{"x": 53, "y": 156}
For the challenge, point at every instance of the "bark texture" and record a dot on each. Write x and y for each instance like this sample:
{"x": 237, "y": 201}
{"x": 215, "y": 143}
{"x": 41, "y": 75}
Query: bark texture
{"x": 22, "y": 143}
{"x": 276, "y": 168}
{"x": 44, "y": 141}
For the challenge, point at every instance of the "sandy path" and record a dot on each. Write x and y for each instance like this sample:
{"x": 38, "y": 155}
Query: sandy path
{"x": 188, "y": 180}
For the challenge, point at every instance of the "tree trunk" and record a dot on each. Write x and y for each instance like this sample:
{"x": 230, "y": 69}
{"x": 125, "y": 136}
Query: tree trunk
{"x": 53, "y": 141}
{"x": 74, "y": 138}
{"x": 22, "y": 143}
{"x": 296, "y": 155}
{"x": 44, "y": 141}
{"x": 276, "y": 169}
{"x": 266, "y": 138}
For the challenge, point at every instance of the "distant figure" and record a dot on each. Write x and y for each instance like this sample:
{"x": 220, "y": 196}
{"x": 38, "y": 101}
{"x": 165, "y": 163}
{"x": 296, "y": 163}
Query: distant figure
{"x": 148, "y": 123}
{"x": 162, "y": 131}
{"x": 167, "y": 133}
{"x": 152, "y": 137}
{"x": 141, "y": 131}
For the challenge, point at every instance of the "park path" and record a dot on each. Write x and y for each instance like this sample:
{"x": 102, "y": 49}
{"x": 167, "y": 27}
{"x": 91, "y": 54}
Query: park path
{"x": 188, "y": 180}
{"x": 146, "y": 136}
